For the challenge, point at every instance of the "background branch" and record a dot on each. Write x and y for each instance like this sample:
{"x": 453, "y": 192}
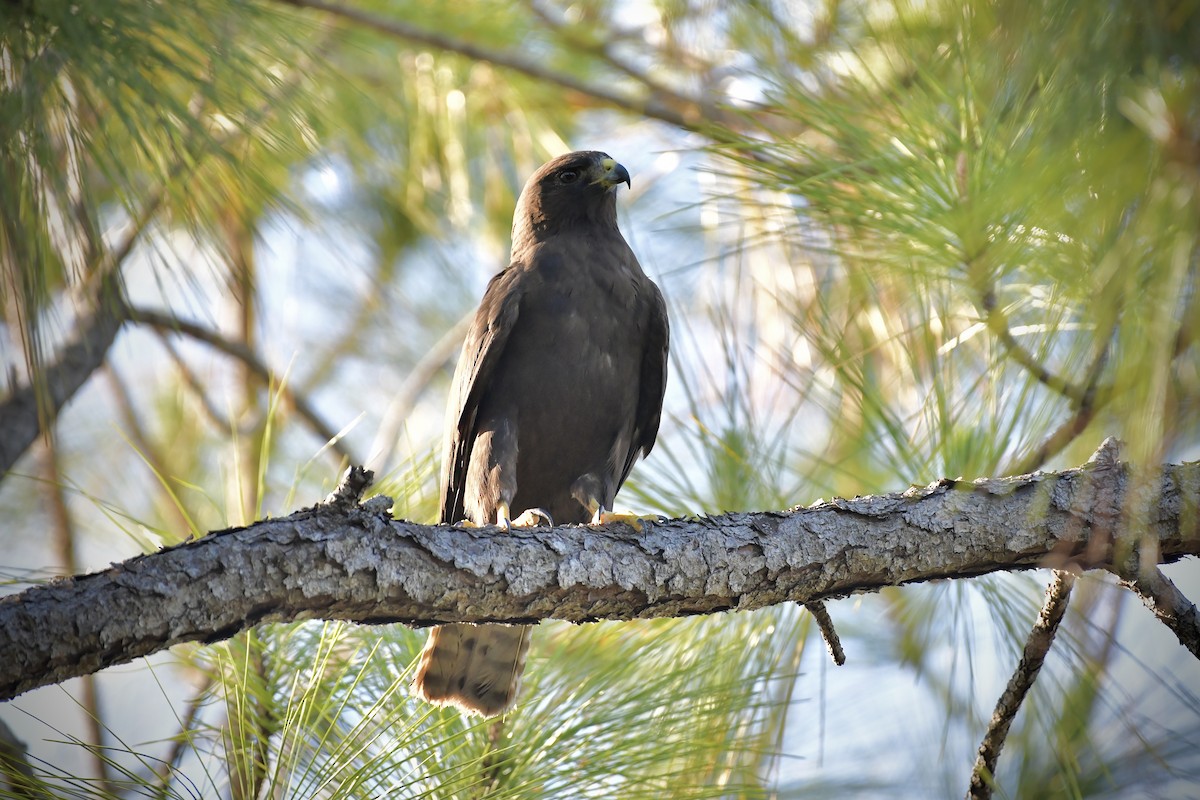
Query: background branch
{"x": 436, "y": 359}
{"x": 255, "y": 365}
{"x": 682, "y": 113}
{"x": 599, "y": 45}
{"x": 30, "y": 409}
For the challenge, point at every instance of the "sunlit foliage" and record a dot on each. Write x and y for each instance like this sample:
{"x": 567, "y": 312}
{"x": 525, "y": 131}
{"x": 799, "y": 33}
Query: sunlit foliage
{"x": 899, "y": 240}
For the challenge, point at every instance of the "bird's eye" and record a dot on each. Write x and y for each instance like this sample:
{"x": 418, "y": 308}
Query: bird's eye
{"x": 568, "y": 176}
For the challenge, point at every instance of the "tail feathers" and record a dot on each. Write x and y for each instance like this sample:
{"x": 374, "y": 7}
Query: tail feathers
{"x": 475, "y": 667}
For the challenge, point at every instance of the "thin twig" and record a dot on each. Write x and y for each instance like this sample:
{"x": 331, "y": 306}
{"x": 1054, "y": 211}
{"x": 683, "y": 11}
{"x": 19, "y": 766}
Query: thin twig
{"x": 250, "y": 722}
{"x": 1058, "y": 594}
{"x": 825, "y": 624}
{"x": 1085, "y": 409}
{"x": 351, "y": 488}
{"x": 491, "y": 767}
{"x": 600, "y": 48}
{"x": 1186, "y": 335}
{"x": 199, "y": 391}
{"x": 254, "y": 364}
{"x": 1062, "y": 436}
{"x": 1168, "y": 603}
{"x": 1059, "y": 439}
{"x": 997, "y": 323}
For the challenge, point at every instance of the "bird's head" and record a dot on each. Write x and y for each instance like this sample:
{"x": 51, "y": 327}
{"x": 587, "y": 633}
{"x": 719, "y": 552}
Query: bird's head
{"x": 576, "y": 188}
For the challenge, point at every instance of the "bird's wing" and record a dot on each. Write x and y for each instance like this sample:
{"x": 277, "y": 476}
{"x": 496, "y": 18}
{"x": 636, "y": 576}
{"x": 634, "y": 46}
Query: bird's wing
{"x": 485, "y": 343}
{"x": 652, "y": 381}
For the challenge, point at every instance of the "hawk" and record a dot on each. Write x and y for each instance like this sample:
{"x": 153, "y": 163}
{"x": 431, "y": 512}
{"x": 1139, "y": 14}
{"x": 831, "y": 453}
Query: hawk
{"x": 557, "y": 393}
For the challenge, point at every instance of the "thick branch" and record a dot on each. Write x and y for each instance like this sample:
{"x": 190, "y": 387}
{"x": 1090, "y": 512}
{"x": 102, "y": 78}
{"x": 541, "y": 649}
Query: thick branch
{"x": 354, "y": 562}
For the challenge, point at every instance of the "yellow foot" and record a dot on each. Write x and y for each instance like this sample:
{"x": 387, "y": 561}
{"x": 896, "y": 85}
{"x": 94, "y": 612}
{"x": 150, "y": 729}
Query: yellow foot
{"x": 601, "y": 516}
{"x": 529, "y": 518}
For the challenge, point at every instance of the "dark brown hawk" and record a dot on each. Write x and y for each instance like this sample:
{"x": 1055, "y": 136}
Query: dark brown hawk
{"x": 557, "y": 393}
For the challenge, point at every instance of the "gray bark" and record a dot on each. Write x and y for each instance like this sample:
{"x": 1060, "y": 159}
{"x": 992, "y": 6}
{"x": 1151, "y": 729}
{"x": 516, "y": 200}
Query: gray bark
{"x": 1167, "y": 603}
{"x": 342, "y": 560}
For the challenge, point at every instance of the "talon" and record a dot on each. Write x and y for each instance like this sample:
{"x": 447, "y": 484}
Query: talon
{"x": 602, "y": 516}
{"x": 529, "y": 517}
{"x": 533, "y": 516}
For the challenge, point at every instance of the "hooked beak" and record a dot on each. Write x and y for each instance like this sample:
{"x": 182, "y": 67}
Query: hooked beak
{"x": 614, "y": 174}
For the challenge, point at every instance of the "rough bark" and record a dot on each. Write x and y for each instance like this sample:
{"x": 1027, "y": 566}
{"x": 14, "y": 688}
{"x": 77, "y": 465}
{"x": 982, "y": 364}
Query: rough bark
{"x": 342, "y": 560}
{"x": 1167, "y": 603}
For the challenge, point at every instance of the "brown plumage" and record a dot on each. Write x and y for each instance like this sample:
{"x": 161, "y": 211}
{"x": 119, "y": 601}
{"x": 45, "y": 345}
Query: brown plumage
{"x": 557, "y": 393}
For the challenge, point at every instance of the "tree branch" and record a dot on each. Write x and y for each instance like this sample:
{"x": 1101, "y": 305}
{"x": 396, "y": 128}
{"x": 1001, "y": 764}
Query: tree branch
{"x": 1058, "y": 594}
{"x": 600, "y": 47}
{"x": 833, "y": 642}
{"x": 997, "y": 322}
{"x": 249, "y": 358}
{"x": 33, "y": 407}
{"x": 1169, "y": 604}
{"x": 690, "y": 114}
{"x": 1083, "y": 411}
{"x": 353, "y": 562}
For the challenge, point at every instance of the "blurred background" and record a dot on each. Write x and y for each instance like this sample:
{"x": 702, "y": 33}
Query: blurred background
{"x": 898, "y": 240}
